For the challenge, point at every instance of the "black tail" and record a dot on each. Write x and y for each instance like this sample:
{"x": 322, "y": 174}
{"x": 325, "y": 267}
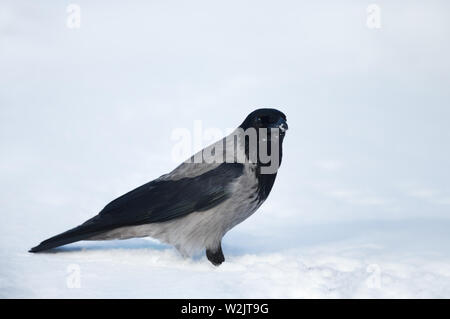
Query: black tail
{"x": 78, "y": 233}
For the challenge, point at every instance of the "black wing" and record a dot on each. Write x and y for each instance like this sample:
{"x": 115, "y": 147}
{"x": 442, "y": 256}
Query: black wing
{"x": 157, "y": 201}
{"x": 162, "y": 200}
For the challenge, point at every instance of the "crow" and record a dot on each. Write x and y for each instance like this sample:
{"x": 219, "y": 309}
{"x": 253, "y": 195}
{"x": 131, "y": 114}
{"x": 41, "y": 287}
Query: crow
{"x": 196, "y": 204}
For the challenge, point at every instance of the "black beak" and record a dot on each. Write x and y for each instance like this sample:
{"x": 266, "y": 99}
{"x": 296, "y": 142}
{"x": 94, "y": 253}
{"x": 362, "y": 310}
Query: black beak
{"x": 282, "y": 125}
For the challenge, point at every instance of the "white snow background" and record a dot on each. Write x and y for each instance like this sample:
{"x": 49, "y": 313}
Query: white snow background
{"x": 361, "y": 204}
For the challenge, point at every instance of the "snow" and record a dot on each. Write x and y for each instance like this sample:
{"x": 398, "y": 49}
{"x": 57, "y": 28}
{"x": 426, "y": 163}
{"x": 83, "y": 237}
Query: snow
{"x": 361, "y": 204}
{"x": 379, "y": 264}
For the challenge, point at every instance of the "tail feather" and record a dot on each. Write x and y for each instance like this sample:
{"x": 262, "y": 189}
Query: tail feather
{"x": 76, "y": 234}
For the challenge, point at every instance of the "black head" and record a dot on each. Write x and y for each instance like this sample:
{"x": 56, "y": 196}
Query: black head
{"x": 273, "y": 122}
{"x": 266, "y": 118}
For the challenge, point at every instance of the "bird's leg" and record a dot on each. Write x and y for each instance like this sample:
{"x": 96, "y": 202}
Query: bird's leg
{"x": 215, "y": 256}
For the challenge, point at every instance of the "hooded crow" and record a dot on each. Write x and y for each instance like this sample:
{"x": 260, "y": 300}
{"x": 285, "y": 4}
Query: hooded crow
{"x": 196, "y": 204}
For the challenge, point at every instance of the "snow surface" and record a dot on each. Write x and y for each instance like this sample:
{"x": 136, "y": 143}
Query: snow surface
{"x": 361, "y": 204}
{"x": 371, "y": 264}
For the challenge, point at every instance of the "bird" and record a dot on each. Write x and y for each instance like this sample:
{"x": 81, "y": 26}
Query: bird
{"x": 196, "y": 204}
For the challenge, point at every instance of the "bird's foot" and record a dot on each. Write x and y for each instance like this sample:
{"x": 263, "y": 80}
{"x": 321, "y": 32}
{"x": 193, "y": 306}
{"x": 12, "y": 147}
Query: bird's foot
{"x": 216, "y": 256}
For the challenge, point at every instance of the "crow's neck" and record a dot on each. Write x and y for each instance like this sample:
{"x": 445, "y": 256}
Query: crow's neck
{"x": 265, "y": 181}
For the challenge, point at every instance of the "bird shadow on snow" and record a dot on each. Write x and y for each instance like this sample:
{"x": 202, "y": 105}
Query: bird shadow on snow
{"x": 117, "y": 245}
{"x": 132, "y": 244}
{"x": 129, "y": 244}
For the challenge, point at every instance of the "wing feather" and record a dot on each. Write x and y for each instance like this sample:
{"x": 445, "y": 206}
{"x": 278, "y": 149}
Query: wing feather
{"x": 163, "y": 199}
{"x": 157, "y": 201}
